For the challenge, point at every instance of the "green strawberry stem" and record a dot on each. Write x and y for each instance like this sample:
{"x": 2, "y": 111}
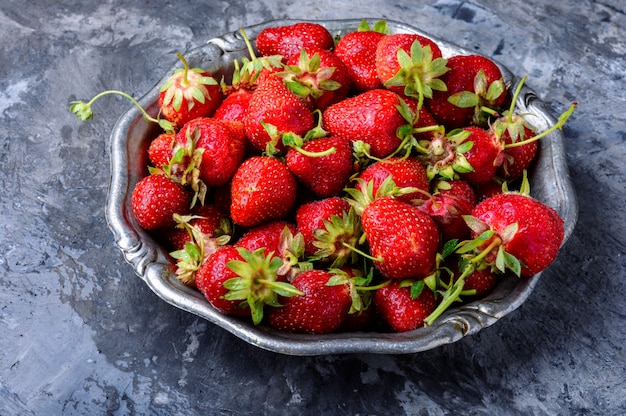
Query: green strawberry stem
{"x": 185, "y": 81}
{"x": 558, "y": 125}
{"x": 362, "y": 253}
{"x": 450, "y": 296}
{"x": 84, "y": 112}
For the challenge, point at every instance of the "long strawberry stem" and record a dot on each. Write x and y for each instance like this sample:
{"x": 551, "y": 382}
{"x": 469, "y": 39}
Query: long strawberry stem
{"x": 450, "y": 296}
{"x": 558, "y": 125}
{"x": 84, "y": 112}
{"x": 185, "y": 81}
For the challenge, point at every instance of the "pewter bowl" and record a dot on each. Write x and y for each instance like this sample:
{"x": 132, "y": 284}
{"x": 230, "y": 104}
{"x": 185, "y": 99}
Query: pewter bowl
{"x": 131, "y": 136}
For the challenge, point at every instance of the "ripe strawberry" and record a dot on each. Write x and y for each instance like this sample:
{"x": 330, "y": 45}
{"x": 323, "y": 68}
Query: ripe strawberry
{"x": 479, "y": 283}
{"x": 323, "y": 175}
{"x": 447, "y": 206}
{"x": 410, "y": 64}
{"x": 325, "y": 225}
{"x": 371, "y": 117}
{"x": 357, "y": 50}
{"x": 234, "y": 107}
{"x": 527, "y": 234}
{"x": 221, "y": 148}
{"x": 160, "y": 150}
{"x": 206, "y": 222}
{"x": 262, "y": 189}
{"x": 155, "y": 200}
{"x": 188, "y": 94}
{"x": 469, "y": 154}
{"x": 322, "y": 309}
{"x": 401, "y": 237}
{"x": 318, "y": 77}
{"x": 404, "y": 172}
{"x": 473, "y": 83}
{"x": 399, "y": 309}
{"x": 273, "y": 111}
{"x": 239, "y": 282}
{"x": 289, "y": 40}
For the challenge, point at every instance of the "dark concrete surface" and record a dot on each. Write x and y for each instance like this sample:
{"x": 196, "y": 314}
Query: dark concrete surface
{"x": 80, "y": 334}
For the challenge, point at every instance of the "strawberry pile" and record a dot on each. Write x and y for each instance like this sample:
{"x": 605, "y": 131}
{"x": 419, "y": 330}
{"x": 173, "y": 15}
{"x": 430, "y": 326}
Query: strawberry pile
{"x": 361, "y": 182}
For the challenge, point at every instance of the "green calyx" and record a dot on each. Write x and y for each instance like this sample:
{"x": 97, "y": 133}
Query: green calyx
{"x": 257, "y": 284}
{"x": 419, "y": 73}
{"x": 336, "y": 239}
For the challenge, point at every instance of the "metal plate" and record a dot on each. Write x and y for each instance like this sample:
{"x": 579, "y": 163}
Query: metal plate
{"x": 131, "y": 136}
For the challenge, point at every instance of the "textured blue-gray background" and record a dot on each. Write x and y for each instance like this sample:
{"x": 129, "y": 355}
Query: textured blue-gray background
{"x": 80, "y": 334}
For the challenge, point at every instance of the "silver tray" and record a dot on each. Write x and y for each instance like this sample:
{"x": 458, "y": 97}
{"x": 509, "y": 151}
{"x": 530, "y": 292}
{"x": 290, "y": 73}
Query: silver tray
{"x": 131, "y": 135}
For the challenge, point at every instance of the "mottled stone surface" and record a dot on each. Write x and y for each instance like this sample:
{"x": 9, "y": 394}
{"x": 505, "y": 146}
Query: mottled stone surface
{"x": 80, "y": 334}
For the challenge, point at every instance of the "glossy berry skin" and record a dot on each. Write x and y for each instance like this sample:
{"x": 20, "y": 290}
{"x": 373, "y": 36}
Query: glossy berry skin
{"x": 266, "y": 236}
{"x": 399, "y": 311}
{"x": 322, "y": 309}
{"x": 402, "y": 236}
{"x": 210, "y": 278}
{"x": 540, "y": 229}
{"x": 405, "y": 173}
{"x": 482, "y": 156}
{"x": 461, "y": 78}
{"x": 387, "y": 65}
{"x": 323, "y": 175}
{"x": 262, "y": 189}
{"x": 358, "y": 52}
{"x": 160, "y": 149}
{"x": 274, "y": 104}
{"x": 155, "y": 200}
{"x": 514, "y": 160}
{"x": 208, "y": 220}
{"x": 178, "y": 99}
{"x": 310, "y": 216}
{"x": 223, "y": 148}
{"x": 288, "y": 40}
{"x": 371, "y": 117}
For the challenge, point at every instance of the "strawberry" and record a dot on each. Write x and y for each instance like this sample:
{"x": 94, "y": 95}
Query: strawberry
{"x": 411, "y": 64}
{"x": 400, "y": 309}
{"x": 479, "y": 283}
{"x": 469, "y": 154}
{"x": 473, "y": 83}
{"x": 221, "y": 148}
{"x": 262, "y": 189}
{"x": 155, "y": 200}
{"x": 273, "y": 111}
{"x": 404, "y": 172}
{"x": 523, "y": 234}
{"x": 239, "y": 282}
{"x": 325, "y": 175}
{"x": 206, "y": 222}
{"x": 371, "y": 117}
{"x": 448, "y": 205}
{"x": 188, "y": 94}
{"x": 321, "y": 309}
{"x": 318, "y": 77}
{"x": 289, "y": 40}
{"x": 160, "y": 149}
{"x": 402, "y": 238}
{"x": 234, "y": 107}
{"x": 326, "y": 224}
{"x": 357, "y": 50}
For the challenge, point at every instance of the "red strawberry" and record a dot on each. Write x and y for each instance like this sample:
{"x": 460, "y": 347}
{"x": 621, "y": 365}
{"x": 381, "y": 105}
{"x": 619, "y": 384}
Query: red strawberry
{"x": 222, "y": 148}
{"x": 479, "y": 283}
{"x": 523, "y": 228}
{"x": 239, "y": 282}
{"x": 469, "y": 153}
{"x": 403, "y": 238}
{"x": 473, "y": 82}
{"x": 155, "y": 200}
{"x": 234, "y": 107}
{"x": 325, "y": 225}
{"x": 325, "y": 175}
{"x": 404, "y": 172}
{"x": 262, "y": 189}
{"x": 371, "y": 117}
{"x": 399, "y": 309}
{"x": 322, "y": 309}
{"x": 357, "y": 50}
{"x": 160, "y": 150}
{"x": 273, "y": 111}
{"x": 266, "y": 236}
{"x": 318, "y": 77}
{"x": 403, "y": 58}
{"x": 447, "y": 206}
{"x": 289, "y": 40}
{"x": 188, "y": 94}
{"x": 206, "y": 222}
